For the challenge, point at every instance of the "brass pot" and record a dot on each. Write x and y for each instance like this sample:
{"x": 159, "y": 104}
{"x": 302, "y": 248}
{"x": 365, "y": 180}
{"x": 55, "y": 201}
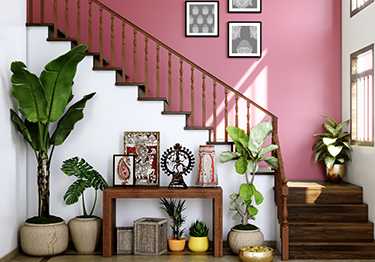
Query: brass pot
{"x": 249, "y": 256}
{"x": 336, "y": 173}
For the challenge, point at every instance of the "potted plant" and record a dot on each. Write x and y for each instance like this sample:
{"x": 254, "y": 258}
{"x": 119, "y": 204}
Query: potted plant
{"x": 42, "y": 101}
{"x": 85, "y": 230}
{"x": 174, "y": 210}
{"x": 198, "y": 241}
{"x": 333, "y": 149}
{"x": 249, "y": 153}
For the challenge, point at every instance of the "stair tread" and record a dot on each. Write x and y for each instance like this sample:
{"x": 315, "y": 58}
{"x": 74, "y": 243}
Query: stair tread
{"x": 198, "y": 128}
{"x": 129, "y": 84}
{"x": 176, "y": 113}
{"x": 321, "y": 184}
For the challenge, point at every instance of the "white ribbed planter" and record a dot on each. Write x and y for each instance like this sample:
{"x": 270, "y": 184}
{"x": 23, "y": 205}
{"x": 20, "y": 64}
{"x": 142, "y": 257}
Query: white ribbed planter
{"x": 44, "y": 239}
{"x": 242, "y": 238}
{"x": 85, "y": 233}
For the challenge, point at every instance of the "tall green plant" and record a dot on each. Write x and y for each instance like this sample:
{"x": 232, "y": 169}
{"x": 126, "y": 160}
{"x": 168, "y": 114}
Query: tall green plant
{"x": 334, "y": 146}
{"x": 42, "y": 101}
{"x": 249, "y": 153}
{"x": 87, "y": 177}
{"x": 174, "y": 210}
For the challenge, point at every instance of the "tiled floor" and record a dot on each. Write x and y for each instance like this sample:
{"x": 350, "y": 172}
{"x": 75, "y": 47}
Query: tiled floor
{"x": 72, "y": 256}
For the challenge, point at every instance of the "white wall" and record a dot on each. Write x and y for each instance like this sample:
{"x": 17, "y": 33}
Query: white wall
{"x": 12, "y": 149}
{"x": 358, "y": 32}
{"x": 100, "y": 135}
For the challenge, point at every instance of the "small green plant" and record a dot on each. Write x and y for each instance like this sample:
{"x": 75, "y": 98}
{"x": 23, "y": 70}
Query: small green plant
{"x": 198, "y": 229}
{"x": 332, "y": 147}
{"x": 87, "y": 177}
{"x": 174, "y": 210}
{"x": 249, "y": 153}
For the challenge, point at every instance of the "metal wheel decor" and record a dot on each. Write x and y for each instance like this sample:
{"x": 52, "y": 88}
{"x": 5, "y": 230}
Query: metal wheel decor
{"x": 177, "y": 161}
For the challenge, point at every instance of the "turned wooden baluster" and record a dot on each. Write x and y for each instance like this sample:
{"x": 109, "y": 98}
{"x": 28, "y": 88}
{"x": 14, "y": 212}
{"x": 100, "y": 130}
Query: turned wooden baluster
{"x": 78, "y": 21}
{"x": 181, "y": 86}
{"x": 135, "y": 56}
{"x": 55, "y": 19}
{"x": 248, "y": 118}
{"x": 42, "y": 11}
{"x": 123, "y": 76}
{"x": 203, "y": 99}
{"x": 192, "y": 97}
{"x": 157, "y": 70}
{"x": 112, "y": 41}
{"x": 31, "y": 11}
{"x": 170, "y": 81}
{"x": 146, "y": 66}
{"x": 90, "y": 25}
{"x": 226, "y": 114}
{"x": 236, "y": 111}
{"x": 101, "y": 37}
{"x": 66, "y": 18}
{"x": 214, "y": 111}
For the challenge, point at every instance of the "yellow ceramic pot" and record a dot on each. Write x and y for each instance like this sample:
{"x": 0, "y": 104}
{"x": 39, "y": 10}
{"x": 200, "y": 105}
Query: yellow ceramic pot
{"x": 176, "y": 245}
{"x": 198, "y": 244}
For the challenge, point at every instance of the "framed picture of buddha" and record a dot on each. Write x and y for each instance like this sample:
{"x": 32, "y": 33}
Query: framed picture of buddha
{"x": 244, "y": 6}
{"x": 244, "y": 39}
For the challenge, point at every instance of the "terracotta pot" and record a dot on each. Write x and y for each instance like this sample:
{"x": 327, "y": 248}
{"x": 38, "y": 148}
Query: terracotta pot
{"x": 176, "y": 245}
{"x": 85, "y": 233}
{"x": 336, "y": 173}
{"x": 44, "y": 239}
{"x": 241, "y": 238}
{"x": 198, "y": 244}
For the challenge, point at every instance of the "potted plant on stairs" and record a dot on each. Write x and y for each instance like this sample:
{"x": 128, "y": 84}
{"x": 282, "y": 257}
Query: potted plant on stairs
{"x": 174, "y": 210}
{"x": 249, "y": 153}
{"x": 42, "y": 101}
{"x": 85, "y": 230}
{"x": 333, "y": 148}
{"x": 198, "y": 241}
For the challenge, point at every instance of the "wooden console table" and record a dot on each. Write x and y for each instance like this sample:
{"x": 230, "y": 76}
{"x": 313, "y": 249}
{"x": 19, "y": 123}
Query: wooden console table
{"x": 110, "y": 195}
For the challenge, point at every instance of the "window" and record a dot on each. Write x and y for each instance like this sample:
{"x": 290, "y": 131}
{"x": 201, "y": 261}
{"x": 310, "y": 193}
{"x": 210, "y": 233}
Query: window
{"x": 362, "y": 93}
{"x": 358, "y": 5}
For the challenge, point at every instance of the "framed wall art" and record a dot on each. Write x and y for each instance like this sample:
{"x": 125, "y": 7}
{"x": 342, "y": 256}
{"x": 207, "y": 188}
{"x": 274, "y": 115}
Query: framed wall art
{"x": 244, "y": 39}
{"x": 244, "y": 6}
{"x": 123, "y": 170}
{"x": 202, "y": 18}
{"x": 145, "y": 147}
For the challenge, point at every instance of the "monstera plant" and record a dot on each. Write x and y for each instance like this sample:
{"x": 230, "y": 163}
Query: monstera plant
{"x": 42, "y": 101}
{"x": 249, "y": 153}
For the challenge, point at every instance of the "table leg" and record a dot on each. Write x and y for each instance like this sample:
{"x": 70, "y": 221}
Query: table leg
{"x": 218, "y": 225}
{"x": 109, "y": 225}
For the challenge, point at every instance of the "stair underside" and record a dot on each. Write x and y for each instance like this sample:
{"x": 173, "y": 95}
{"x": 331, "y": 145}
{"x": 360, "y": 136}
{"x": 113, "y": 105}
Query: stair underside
{"x": 328, "y": 221}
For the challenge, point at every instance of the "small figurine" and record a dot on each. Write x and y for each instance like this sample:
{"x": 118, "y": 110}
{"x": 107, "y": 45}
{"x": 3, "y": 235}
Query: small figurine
{"x": 207, "y": 173}
{"x": 177, "y": 161}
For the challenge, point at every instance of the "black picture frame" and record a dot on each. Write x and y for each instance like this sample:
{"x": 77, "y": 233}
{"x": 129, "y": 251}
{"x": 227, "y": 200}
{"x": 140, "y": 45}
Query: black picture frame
{"x": 126, "y": 177}
{"x": 244, "y": 6}
{"x": 245, "y": 39}
{"x": 201, "y": 19}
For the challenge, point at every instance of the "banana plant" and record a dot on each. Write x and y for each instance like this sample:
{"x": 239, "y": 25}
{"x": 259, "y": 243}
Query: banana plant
{"x": 249, "y": 153}
{"x": 334, "y": 146}
{"x": 42, "y": 101}
{"x": 87, "y": 177}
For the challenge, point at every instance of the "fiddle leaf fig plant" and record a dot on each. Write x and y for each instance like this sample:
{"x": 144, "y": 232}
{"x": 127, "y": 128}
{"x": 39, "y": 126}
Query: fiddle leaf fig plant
{"x": 87, "y": 177}
{"x": 42, "y": 101}
{"x": 249, "y": 153}
{"x": 333, "y": 147}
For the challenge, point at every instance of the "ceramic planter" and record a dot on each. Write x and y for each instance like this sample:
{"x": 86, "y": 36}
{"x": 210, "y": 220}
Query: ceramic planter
{"x": 44, "y": 239}
{"x": 241, "y": 238}
{"x": 176, "y": 245}
{"x": 198, "y": 244}
{"x": 85, "y": 233}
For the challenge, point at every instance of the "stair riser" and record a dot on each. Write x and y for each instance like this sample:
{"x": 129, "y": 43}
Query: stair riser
{"x": 311, "y": 196}
{"x": 335, "y": 233}
{"x": 335, "y": 251}
{"x": 327, "y": 213}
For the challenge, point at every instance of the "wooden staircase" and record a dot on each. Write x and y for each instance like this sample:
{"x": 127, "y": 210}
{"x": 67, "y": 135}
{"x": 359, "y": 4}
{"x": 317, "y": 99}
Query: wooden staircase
{"x": 328, "y": 221}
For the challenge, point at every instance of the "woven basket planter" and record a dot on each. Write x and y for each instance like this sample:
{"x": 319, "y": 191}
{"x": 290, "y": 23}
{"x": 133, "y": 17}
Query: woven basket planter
{"x": 124, "y": 240}
{"x": 150, "y": 236}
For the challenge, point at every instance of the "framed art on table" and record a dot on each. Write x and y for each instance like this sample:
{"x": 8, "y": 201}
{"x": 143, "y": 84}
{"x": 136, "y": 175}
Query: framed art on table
{"x": 244, "y": 6}
{"x": 123, "y": 170}
{"x": 202, "y": 18}
{"x": 145, "y": 147}
{"x": 244, "y": 39}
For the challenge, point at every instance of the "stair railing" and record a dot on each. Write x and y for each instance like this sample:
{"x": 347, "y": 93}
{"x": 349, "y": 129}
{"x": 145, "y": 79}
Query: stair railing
{"x": 91, "y": 22}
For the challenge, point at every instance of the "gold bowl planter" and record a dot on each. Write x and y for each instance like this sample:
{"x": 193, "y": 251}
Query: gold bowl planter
{"x": 256, "y": 254}
{"x": 336, "y": 173}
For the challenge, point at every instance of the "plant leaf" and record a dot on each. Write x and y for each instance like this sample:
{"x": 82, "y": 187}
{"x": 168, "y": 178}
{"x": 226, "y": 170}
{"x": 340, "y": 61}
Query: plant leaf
{"x": 227, "y": 156}
{"x": 67, "y": 122}
{"x": 334, "y": 150}
{"x": 272, "y": 162}
{"x": 258, "y": 197}
{"x": 338, "y": 128}
{"x": 237, "y": 134}
{"x": 232, "y": 208}
{"x": 234, "y": 217}
{"x": 253, "y": 211}
{"x": 22, "y": 128}
{"x": 329, "y": 161}
{"x": 253, "y": 166}
{"x": 29, "y": 93}
{"x": 75, "y": 190}
{"x": 331, "y": 130}
{"x": 246, "y": 191}
{"x": 329, "y": 141}
{"x": 318, "y": 144}
{"x": 258, "y": 135}
{"x": 333, "y": 123}
{"x": 241, "y": 165}
{"x": 267, "y": 149}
